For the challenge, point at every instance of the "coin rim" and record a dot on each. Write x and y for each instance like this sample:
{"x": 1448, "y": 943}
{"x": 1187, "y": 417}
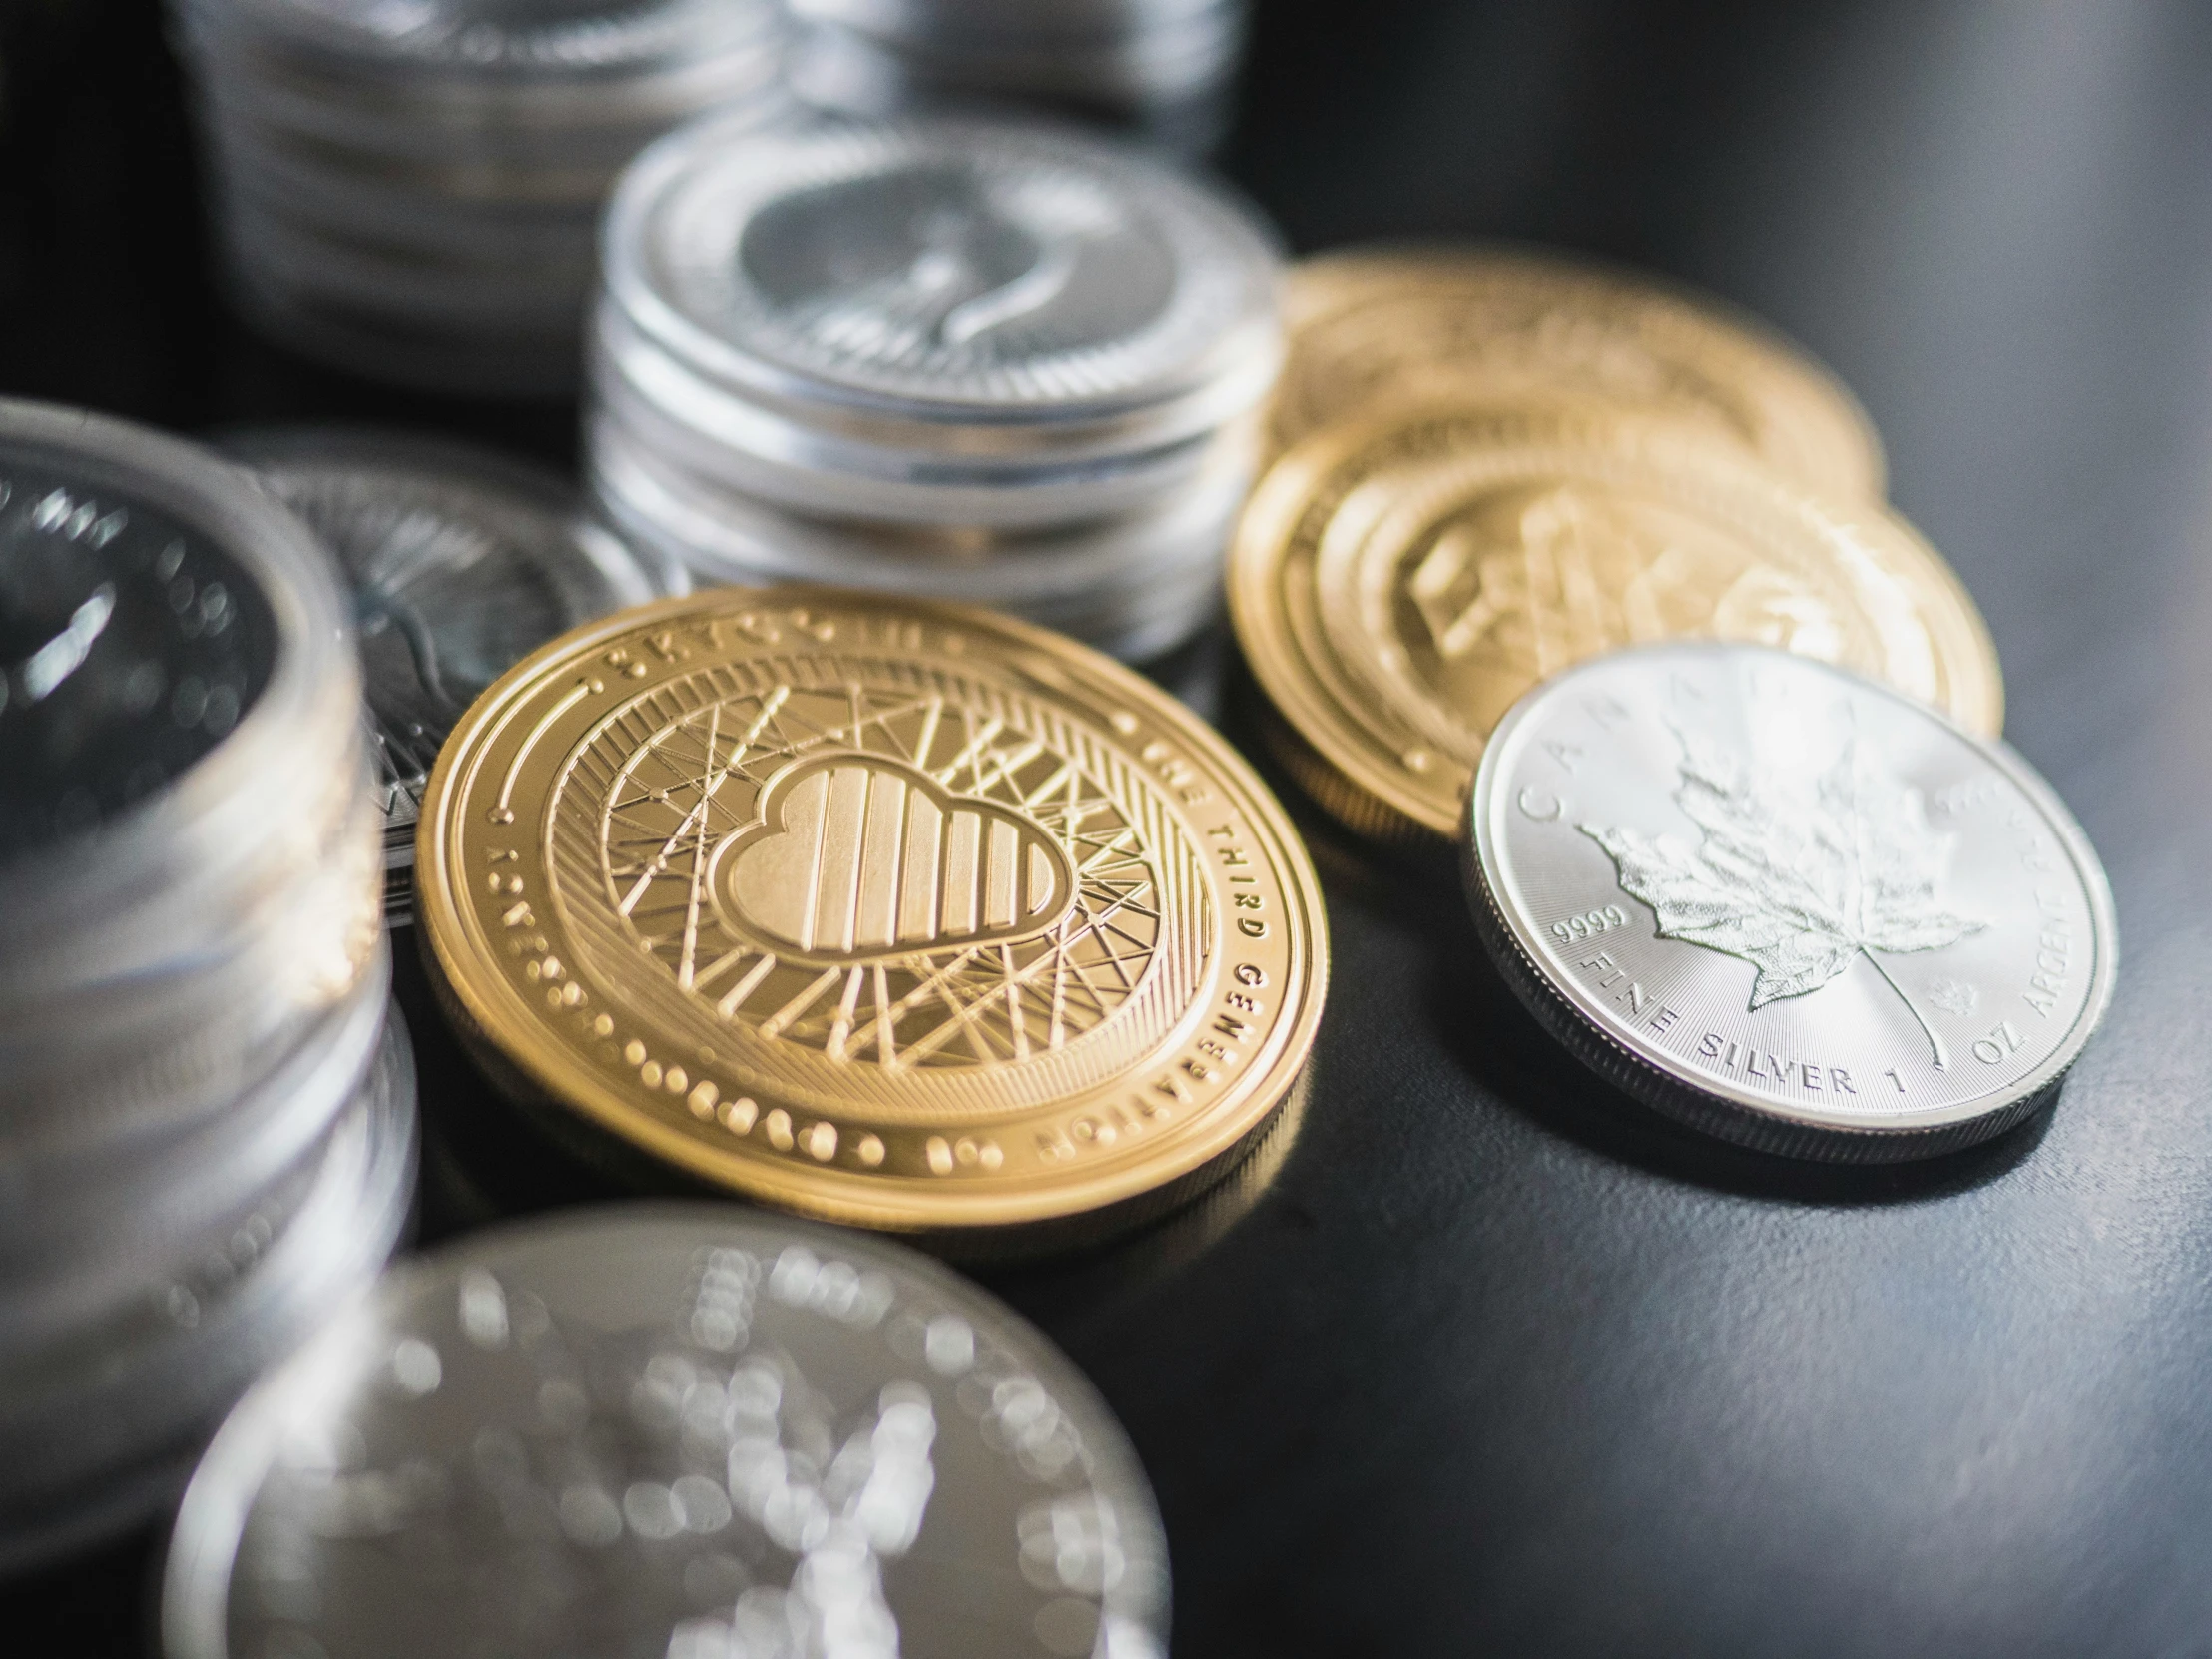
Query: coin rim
{"x": 1323, "y": 284}
{"x": 1723, "y": 1110}
{"x": 1202, "y": 209}
{"x": 1177, "y": 1162}
{"x": 1286, "y": 667}
{"x": 1714, "y": 486}
{"x": 197, "y": 1578}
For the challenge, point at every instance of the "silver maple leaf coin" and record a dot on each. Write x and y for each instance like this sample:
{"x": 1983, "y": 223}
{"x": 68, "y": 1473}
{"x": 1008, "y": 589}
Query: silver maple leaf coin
{"x": 1785, "y": 904}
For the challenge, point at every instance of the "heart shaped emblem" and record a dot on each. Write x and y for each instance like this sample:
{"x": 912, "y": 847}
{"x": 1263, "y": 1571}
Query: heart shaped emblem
{"x": 858, "y": 858}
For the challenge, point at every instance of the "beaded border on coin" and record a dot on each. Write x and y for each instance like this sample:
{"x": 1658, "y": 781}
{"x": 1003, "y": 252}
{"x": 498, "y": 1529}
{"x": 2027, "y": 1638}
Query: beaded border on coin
{"x": 1088, "y": 1139}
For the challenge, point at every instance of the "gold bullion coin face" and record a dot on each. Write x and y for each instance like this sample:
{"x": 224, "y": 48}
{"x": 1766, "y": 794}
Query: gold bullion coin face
{"x": 901, "y": 915}
{"x": 1397, "y": 585}
{"x": 1493, "y": 323}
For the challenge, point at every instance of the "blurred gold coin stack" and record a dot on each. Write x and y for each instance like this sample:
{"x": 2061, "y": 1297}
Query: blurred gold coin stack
{"x": 1488, "y": 464}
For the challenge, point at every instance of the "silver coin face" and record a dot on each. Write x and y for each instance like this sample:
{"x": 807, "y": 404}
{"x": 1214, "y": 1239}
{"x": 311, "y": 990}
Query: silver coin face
{"x": 461, "y": 564}
{"x": 675, "y": 1430}
{"x": 131, "y": 644}
{"x": 942, "y": 263}
{"x": 1786, "y": 904}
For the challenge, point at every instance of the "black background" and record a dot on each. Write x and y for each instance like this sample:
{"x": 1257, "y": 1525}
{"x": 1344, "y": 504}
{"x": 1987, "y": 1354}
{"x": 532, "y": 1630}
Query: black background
{"x": 1498, "y": 1363}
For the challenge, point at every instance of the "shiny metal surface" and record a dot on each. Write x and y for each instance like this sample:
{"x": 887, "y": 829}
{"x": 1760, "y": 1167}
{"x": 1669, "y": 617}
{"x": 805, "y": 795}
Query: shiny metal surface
{"x": 1161, "y": 69}
{"x": 461, "y": 563}
{"x": 952, "y": 270}
{"x": 99, "y": 1424}
{"x": 817, "y": 458}
{"x": 1494, "y": 1367}
{"x": 1786, "y": 904}
{"x": 130, "y": 645}
{"x": 185, "y": 940}
{"x": 410, "y": 192}
{"x": 891, "y": 914}
{"x": 1135, "y": 586}
{"x": 482, "y": 39}
{"x": 987, "y": 361}
{"x": 82, "y": 1226}
{"x": 680, "y": 1430}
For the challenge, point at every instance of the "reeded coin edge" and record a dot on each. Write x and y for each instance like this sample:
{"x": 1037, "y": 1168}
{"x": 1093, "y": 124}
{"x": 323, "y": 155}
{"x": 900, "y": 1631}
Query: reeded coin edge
{"x": 1279, "y": 661}
{"x": 614, "y": 1154}
{"x": 1737, "y": 1116}
{"x": 1123, "y": 1191}
{"x": 1365, "y": 814}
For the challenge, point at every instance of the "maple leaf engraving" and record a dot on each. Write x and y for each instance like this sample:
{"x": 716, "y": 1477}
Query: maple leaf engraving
{"x": 1798, "y": 873}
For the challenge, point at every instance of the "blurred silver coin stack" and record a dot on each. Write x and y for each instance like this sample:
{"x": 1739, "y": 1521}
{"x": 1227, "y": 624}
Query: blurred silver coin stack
{"x": 678, "y": 1432}
{"x": 981, "y": 361}
{"x": 208, "y": 1128}
{"x": 1164, "y": 66}
{"x": 461, "y": 563}
{"x": 409, "y": 189}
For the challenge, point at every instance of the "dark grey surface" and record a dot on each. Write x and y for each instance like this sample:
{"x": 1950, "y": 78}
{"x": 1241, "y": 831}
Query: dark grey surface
{"x": 1499, "y": 1364}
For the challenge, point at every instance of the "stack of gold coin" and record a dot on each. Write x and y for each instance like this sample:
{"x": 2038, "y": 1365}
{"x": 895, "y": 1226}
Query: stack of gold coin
{"x": 1489, "y": 464}
{"x": 891, "y": 912}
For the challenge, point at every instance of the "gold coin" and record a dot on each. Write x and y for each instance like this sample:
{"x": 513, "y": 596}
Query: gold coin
{"x": 896, "y": 913}
{"x": 1397, "y": 584}
{"x": 1495, "y": 323}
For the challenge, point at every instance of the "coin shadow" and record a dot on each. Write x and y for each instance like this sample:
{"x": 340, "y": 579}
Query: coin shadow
{"x": 483, "y": 1162}
{"x": 1475, "y": 1015}
{"x": 1382, "y": 877}
{"x": 486, "y": 1160}
{"x": 1077, "y": 1280}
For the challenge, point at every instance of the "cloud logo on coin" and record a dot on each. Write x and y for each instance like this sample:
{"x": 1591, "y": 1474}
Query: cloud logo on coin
{"x": 858, "y": 859}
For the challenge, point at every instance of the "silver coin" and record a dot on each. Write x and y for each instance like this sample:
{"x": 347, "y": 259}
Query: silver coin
{"x": 484, "y": 38}
{"x": 110, "y": 687}
{"x": 98, "y": 1432}
{"x": 1786, "y": 906}
{"x": 198, "y": 887}
{"x": 1135, "y": 586}
{"x": 80, "y": 1224}
{"x": 854, "y": 469}
{"x": 528, "y": 141}
{"x": 461, "y": 564}
{"x": 410, "y": 191}
{"x": 682, "y": 1431}
{"x": 942, "y": 267}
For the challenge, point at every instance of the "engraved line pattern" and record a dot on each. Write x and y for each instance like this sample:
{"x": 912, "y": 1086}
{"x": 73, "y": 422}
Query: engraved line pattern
{"x": 697, "y": 785}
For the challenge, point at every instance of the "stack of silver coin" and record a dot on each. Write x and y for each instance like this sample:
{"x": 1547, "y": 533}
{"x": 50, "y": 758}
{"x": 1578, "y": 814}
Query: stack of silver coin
{"x": 1163, "y": 66}
{"x": 461, "y": 563}
{"x": 965, "y": 361}
{"x": 689, "y": 1431}
{"x": 208, "y": 1131}
{"x": 410, "y": 191}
